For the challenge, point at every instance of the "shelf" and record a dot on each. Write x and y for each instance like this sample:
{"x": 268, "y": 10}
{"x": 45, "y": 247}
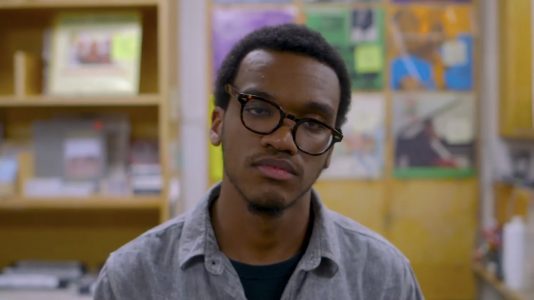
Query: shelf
{"x": 45, "y": 101}
{"x": 74, "y": 4}
{"x": 498, "y": 285}
{"x": 527, "y": 134}
{"x": 140, "y": 202}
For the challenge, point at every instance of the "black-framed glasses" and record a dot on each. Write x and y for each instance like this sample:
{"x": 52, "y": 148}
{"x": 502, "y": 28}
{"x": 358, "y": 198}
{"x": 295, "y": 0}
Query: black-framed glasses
{"x": 264, "y": 117}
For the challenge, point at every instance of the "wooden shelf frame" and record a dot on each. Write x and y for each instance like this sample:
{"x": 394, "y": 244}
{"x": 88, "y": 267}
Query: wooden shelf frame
{"x": 96, "y": 202}
{"x": 498, "y": 285}
{"x": 21, "y": 4}
{"x": 65, "y": 101}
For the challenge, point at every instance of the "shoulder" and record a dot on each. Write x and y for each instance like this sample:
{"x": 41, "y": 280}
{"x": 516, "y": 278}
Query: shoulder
{"x": 142, "y": 259}
{"x": 360, "y": 244}
{"x": 136, "y": 269}
{"x": 151, "y": 246}
{"x": 366, "y": 257}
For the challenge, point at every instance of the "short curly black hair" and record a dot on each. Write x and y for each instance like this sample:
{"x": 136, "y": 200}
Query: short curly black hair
{"x": 286, "y": 38}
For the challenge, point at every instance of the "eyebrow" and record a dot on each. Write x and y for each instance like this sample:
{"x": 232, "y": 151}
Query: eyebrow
{"x": 311, "y": 106}
{"x": 319, "y": 107}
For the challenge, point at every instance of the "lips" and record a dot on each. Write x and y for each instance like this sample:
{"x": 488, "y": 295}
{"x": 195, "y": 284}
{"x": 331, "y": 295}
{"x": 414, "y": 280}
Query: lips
{"x": 278, "y": 169}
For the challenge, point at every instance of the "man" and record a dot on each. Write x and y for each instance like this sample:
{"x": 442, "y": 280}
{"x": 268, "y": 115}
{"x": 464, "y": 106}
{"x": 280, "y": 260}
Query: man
{"x": 262, "y": 233}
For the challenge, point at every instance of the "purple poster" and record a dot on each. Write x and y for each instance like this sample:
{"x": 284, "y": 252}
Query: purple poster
{"x": 230, "y": 25}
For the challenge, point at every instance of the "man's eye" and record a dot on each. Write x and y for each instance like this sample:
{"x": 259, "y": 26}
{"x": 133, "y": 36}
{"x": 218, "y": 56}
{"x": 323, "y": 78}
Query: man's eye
{"x": 313, "y": 126}
{"x": 259, "y": 110}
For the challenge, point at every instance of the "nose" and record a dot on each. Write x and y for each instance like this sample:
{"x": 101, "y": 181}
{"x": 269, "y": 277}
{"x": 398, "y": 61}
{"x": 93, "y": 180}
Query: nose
{"x": 281, "y": 139}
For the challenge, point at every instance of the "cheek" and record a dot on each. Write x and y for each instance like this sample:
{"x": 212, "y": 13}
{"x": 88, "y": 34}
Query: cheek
{"x": 237, "y": 141}
{"x": 313, "y": 167}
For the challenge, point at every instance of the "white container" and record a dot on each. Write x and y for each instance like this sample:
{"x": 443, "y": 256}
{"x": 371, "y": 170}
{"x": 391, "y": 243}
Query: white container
{"x": 529, "y": 246}
{"x": 514, "y": 253}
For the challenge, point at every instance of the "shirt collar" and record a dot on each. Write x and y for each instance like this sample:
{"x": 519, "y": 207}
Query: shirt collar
{"x": 323, "y": 248}
{"x": 198, "y": 239}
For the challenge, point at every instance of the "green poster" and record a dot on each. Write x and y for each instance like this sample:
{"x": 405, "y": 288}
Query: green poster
{"x": 333, "y": 24}
{"x": 358, "y": 35}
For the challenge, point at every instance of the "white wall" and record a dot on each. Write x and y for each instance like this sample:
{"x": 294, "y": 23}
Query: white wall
{"x": 495, "y": 161}
{"x": 193, "y": 68}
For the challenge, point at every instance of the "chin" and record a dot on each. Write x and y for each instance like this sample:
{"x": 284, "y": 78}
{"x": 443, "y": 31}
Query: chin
{"x": 269, "y": 205}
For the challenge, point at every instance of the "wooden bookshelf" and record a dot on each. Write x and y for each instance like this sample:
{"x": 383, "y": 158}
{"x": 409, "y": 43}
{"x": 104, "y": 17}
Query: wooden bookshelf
{"x": 85, "y": 228}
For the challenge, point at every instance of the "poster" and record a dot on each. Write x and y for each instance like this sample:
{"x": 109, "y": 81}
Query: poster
{"x": 431, "y": 1}
{"x": 340, "y": 1}
{"x": 358, "y": 36}
{"x": 433, "y": 48}
{"x": 252, "y": 1}
{"x": 230, "y": 25}
{"x": 361, "y": 153}
{"x": 434, "y": 135}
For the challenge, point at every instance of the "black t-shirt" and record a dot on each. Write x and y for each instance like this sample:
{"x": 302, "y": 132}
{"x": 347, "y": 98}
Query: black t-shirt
{"x": 265, "y": 282}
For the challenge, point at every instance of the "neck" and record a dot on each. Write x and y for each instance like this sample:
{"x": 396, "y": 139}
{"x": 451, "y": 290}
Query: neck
{"x": 259, "y": 239}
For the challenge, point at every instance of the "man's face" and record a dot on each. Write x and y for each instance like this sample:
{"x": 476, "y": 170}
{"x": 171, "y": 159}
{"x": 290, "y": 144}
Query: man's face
{"x": 268, "y": 171}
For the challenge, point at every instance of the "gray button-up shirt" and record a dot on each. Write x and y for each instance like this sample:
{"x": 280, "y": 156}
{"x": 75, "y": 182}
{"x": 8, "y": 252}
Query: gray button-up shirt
{"x": 180, "y": 259}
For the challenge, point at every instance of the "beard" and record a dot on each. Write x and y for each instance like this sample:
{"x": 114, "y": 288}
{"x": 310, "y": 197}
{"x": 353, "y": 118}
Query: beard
{"x": 267, "y": 203}
{"x": 271, "y": 209}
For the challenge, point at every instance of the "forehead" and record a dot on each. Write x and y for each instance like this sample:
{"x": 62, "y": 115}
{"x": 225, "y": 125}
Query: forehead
{"x": 285, "y": 75}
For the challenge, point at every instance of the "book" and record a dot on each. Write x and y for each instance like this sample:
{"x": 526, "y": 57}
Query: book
{"x": 145, "y": 168}
{"x": 95, "y": 54}
{"x": 84, "y": 156}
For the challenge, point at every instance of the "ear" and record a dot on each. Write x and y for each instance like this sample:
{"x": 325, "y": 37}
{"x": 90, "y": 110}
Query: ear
{"x": 217, "y": 116}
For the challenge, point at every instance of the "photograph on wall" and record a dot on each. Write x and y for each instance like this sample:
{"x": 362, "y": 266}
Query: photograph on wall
{"x": 95, "y": 54}
{"x": 229, "y": 25}
{"x": 358, "y": 35}
{"x": 432, "y": 48}
{"x": 434, "y": 135}
{"x": 432, "y": 1}
{"x": 251, "y": 1}
{"x": 341, "y": 1}
{"x": 361, "y": 153}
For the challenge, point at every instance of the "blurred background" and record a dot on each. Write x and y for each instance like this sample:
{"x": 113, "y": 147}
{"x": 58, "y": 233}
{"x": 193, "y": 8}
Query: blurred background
{"x": 104, "y": 115}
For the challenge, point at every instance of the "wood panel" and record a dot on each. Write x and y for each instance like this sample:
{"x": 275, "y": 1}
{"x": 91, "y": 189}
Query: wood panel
{"x": 18, "y": 120}
{"x": 83, "y": 235}
{"x": 363, "y": 201}
{"x": 515, "y": 62}
{"x": 434, "y": 222}
{"x": 446, "y": 281}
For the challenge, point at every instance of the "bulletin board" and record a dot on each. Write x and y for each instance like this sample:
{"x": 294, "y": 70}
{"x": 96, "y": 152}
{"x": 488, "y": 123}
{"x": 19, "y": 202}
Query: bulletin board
{"x": 408, "y": 163}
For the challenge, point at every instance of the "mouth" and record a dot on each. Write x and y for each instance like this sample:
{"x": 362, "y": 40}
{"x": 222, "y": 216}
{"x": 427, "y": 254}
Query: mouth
{"x": 277, "y": 169}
